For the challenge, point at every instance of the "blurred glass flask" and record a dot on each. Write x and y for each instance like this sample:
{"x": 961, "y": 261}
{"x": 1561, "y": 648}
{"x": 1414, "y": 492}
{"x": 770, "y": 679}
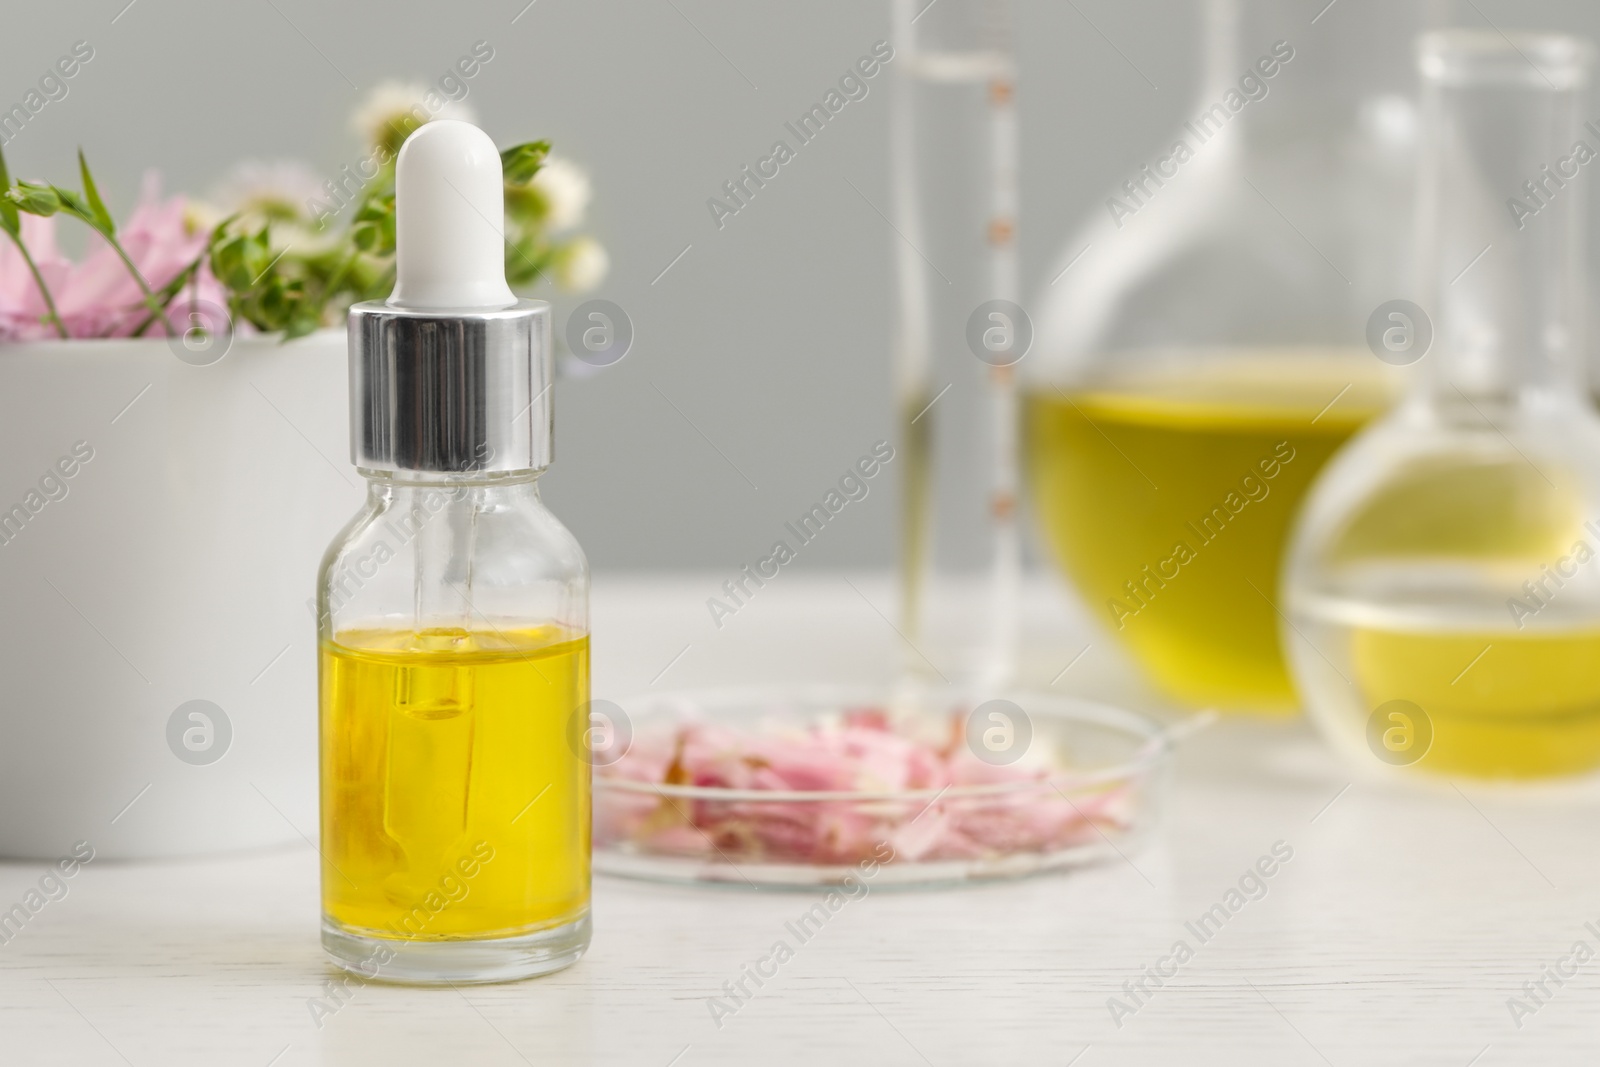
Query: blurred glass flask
{"x": 1200, "y": 348}
{"x": 958, "y": 333}
{"x": 1446, "y": 563}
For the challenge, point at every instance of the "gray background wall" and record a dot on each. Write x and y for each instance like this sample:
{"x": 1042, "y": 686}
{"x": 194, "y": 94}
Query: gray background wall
{"x": 769, "y": 335}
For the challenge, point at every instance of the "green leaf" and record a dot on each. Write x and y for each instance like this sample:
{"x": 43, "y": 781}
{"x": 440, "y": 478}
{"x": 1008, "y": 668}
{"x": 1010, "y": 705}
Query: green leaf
{"x": 525, "y": 205}
{"x": 240, "y": 262}
{"x": 299, "y": 326}
{"x": 9, "y": 221}
{"x": 521, "y": 162}
{"x": 225, "y": 262}
{"x": 372, "y": 229}
{"x": 280, "y": 299}
{"x": 73, "y": 204}
{"x": 220, "y": 231}
{"x": 365, "y": 235}
{"x": 102, "y": 218}
{"x": 526, "y": 261}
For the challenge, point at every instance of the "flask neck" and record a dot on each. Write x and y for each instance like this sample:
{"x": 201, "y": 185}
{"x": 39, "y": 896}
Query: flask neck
{"x": 1501, "y": 213}
{"x": 1348, "y": 66}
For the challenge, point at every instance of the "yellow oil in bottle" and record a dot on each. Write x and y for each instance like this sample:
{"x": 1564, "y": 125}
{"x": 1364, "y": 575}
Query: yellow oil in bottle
{"x": 1167, "y": 497}
{"x": 453, "y": 803}
{"x": 1500, "y": 704}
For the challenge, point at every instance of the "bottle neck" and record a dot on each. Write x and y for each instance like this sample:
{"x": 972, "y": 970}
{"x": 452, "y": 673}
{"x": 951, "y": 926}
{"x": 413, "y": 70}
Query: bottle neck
{"x": 419, "y": 496}
{"x": 438, "y": 521}
{"x": 410, "y": 481}
{"x": 1501, "y": 214}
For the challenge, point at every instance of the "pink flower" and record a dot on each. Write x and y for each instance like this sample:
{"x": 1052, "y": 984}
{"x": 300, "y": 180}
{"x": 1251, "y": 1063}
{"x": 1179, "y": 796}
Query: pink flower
{"x": 97, "y": 297}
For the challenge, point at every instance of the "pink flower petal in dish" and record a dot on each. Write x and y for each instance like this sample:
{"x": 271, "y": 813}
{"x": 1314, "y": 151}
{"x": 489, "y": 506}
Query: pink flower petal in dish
{"x": 864, "y": 751}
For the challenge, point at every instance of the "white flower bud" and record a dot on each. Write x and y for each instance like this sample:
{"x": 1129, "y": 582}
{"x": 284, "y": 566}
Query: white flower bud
{"x": 565, "y": 190}
{"x": 581, "y": 265}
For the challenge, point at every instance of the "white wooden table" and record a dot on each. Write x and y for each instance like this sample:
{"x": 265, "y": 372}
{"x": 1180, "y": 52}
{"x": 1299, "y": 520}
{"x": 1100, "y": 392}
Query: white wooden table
{"x": 1395, "y": 934}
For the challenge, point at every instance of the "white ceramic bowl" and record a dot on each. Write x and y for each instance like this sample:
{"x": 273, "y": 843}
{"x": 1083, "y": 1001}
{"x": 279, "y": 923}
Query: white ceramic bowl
{"x": 176, "y": 567}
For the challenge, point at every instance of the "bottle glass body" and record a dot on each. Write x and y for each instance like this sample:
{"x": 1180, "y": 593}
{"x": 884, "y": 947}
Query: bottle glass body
{"x": 453, "y": 634}
{"x": 1200, "y": 346}
{"x": 1443, "y": 607}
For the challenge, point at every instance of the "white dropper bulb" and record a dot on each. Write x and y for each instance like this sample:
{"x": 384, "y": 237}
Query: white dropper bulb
{"x": 449, "y": 201}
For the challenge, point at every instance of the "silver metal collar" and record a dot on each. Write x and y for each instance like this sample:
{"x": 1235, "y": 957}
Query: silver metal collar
{"x": 456, "y": 391}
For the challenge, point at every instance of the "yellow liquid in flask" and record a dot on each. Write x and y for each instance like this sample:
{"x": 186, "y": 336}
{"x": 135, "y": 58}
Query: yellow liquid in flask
{"x": 1504, "y": 695}
{"x": 1168, "y": 498}
{"x": 1506, "y": 704}
{"x": 453, "y": 804}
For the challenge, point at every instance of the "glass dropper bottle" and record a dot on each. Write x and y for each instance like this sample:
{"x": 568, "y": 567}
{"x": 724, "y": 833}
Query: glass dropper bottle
{"x": 1442, "y": 588}
{"x": 453, "y": 615}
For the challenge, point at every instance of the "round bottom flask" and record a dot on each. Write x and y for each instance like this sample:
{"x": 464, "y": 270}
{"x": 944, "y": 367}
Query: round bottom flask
{"x": 1442, "y": 589}
{"x": 1199, "y": 352}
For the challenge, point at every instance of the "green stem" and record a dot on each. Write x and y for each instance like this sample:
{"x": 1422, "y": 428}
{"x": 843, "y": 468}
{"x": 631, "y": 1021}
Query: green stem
{"x": 156, "y": 309}
{"x": 171, "y": 291}
{"x": 38, "y": 279}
